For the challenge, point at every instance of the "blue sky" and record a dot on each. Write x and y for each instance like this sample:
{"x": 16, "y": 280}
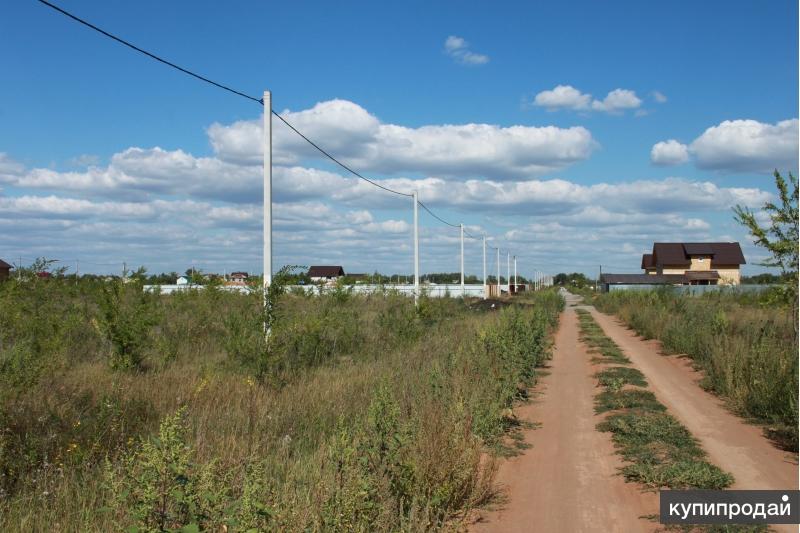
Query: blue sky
{"x": 110, "y": 157}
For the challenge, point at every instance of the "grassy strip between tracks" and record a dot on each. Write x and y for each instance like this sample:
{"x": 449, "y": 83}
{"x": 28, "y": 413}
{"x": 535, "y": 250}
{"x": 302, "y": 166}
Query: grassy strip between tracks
{"x": 659, "y": 451}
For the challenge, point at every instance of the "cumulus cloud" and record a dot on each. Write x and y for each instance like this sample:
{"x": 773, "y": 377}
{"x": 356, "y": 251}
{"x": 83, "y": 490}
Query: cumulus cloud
{"x": 563, "y": 97}
{"x": 667, "y": 153}
{"x": 359, "y": 138}
{"x": 736, "y": 146}
{"x": 458, "y": 49}
{"x": 568, "y": 97}
{"x": 617, "y": 100}
{"x": 748, "y": 146}
{"x": 163, "y": 207}
{"x": 659, "y": 97}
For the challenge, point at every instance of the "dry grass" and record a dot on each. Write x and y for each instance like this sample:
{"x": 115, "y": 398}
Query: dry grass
{"x": 370, "y": 416}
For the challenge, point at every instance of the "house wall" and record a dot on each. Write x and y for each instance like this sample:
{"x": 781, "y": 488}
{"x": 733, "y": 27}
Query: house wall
{"x": 700, "y": 262}
{"x": 729, "y": 274}
{"x": 4, "y": 273}
{"x": 673, "y": 270}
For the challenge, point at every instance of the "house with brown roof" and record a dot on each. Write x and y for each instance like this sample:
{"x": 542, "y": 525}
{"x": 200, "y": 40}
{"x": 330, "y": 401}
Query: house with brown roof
{"x": 5, "y": 270}
{"x": 324, "y": 273}
{"x": 702, "y": 263}
{"x": 685, "y": 263}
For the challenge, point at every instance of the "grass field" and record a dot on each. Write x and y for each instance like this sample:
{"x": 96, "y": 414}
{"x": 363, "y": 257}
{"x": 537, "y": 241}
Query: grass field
{"x": 122, "y": 410}
{"x": 745, "y": 344}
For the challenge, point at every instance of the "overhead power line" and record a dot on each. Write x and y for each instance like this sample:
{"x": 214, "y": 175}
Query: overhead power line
{"x": 329, "y": 156}
{"x": 437, "y": 217}
{"x": 218, "y": 85}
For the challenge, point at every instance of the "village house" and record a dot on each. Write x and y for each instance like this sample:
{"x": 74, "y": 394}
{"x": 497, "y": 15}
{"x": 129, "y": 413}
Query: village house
{"x": 325, "y": 273}
{"x": 238, "y": 278}
{"x": 5, "y": 270}
{"x": 685, "y": 263}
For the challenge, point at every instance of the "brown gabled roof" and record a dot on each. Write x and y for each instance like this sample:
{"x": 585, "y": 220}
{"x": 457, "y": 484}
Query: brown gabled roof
{"x": 670, "y": 253}
{"x": 3, "y": 264}
{"x": 679, "y": 253}
{"x": 325, "y": 271}
{"x": 647, "y": 261}
{"x": 727, "y": 253}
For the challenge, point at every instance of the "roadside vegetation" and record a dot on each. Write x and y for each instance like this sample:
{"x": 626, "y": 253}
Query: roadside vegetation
{"x": 122, "y": 410}
{"x": 658, "y": 450}
{"x": 745, "y": 345}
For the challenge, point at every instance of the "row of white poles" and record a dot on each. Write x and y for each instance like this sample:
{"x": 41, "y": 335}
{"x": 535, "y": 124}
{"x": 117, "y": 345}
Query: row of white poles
{"x": 267, "y": 265}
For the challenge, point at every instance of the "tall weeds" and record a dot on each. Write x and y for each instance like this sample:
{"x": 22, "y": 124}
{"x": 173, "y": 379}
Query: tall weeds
{"x": 362, "y": 414}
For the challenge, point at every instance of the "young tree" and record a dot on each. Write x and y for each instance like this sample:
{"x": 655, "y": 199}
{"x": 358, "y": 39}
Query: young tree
{"x": 780, "y": 238}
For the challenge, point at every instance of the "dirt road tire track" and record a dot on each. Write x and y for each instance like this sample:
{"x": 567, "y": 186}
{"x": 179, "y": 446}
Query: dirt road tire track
{"x": 731, "y": 443}
{"x": 568, "y": 480}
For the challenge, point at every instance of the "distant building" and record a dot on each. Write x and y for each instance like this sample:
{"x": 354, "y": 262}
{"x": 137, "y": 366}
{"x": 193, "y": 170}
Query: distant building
{"x": 685, "y": 263}
{"x": 5, "y": 270}
{"x": 182, "y": 280}
{"x": 325, "y": 273}
{"x": 238, "y": 278}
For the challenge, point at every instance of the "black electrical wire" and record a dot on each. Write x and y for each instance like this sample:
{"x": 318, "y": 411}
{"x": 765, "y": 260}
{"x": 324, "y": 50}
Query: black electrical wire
{"x": 243, "y": 95}
{"x": 329, "y": 156}
{"x": 219, "y": 85}
{"x": 437, "y": 217}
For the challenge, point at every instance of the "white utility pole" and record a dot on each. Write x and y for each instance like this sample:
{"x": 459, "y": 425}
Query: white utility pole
{"x": 463, "y": 290}
{"x": 485, "y": 289}
{"x": 416, "y": 250}
{"x": 499, "y": 291}
{"x": 267, "y": 253}
{"x": 508, "y": 272}
{"x": 515, "y": 273}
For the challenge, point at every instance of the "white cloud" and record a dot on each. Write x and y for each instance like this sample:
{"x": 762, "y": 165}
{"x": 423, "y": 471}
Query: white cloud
{"x": 659, "y": 97}
{"x": 361, "y": 140}
{"x": 748, "y": 146}
{"x": 563, "y": 97}
{"x": 458, "y": 49}
{"x": 669, "y": 152}
{"x": 9, "y": 169}
{"x": 568, "y": 97}
{"x": 736, "y": 146}
{"x": 617, "y": 100}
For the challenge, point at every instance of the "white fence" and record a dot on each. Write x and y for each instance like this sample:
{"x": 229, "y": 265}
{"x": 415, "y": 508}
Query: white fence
{"x": 428, "y": 289}
{"x": 431, "y": 289}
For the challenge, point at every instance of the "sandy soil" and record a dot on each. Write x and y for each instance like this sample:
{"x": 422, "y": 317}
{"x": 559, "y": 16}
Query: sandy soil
{"x": 567, "y": 481}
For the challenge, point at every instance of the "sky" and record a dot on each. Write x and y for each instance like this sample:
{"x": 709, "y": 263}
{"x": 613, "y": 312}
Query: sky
{"x": 572, "y": 134}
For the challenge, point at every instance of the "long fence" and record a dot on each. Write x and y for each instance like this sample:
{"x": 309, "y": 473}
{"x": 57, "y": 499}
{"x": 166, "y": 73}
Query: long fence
{"x": 432, "y": 290}
{"x": 691, "y": 289}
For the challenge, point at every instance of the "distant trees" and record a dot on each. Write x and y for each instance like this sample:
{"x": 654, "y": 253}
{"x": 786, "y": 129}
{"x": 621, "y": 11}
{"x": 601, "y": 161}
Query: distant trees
{"x": 576, "y": 279}
{"x": 765, "y": 278}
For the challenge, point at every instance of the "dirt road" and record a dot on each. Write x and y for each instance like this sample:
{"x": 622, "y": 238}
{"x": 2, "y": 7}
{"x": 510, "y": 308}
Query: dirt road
{"x": 568, "y": 480}
{"x": 732, "y": 444}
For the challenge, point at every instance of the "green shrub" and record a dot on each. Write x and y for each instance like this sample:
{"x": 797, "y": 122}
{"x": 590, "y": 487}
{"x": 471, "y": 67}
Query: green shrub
{"x": 127, "y": 314}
